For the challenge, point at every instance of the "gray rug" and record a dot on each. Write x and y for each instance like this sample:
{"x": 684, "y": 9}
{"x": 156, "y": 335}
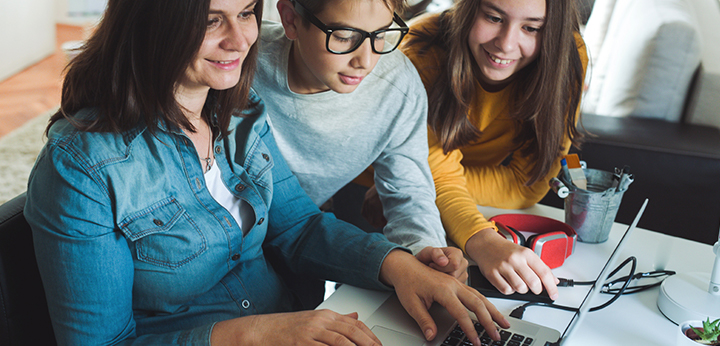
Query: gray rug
{"x": 18, "y": 151}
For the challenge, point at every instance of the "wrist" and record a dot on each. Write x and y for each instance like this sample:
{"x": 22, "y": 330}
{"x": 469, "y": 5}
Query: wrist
{"x": 479, "y": 240}
{"x": 393, "y": 265}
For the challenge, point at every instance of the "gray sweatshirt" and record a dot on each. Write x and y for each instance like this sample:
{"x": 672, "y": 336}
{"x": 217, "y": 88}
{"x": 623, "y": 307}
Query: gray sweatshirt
{"x": 328, "y": 138}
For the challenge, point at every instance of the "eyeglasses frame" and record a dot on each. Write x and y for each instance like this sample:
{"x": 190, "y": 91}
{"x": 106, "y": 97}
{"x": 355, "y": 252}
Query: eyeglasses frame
{"x": 328, "y": 30}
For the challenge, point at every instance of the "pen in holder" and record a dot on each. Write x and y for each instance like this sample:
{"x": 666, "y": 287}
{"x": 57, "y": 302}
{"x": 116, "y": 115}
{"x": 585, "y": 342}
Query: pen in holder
{"x": 591, "y": 212}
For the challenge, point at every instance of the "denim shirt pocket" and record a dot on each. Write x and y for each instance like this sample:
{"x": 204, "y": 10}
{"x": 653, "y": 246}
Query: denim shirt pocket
{"x": 164, "y": 234}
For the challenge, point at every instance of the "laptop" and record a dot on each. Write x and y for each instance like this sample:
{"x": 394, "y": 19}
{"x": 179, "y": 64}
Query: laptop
{"x": 395, "y": 327}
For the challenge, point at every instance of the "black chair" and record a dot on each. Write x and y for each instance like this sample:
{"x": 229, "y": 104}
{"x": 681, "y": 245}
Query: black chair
{"x": 24, "y": 317}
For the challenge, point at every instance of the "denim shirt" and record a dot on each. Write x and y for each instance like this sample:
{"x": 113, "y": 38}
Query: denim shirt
{"x": 131, "y": 246}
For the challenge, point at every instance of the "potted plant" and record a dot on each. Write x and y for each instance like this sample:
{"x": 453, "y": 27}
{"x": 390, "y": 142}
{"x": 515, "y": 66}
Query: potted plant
{"x": 701, "y": 332}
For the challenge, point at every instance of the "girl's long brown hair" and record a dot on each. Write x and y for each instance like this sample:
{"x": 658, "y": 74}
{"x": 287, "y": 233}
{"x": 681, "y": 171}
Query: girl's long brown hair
{"x": 129, "y": 67}
{"x": 545, "y": 94}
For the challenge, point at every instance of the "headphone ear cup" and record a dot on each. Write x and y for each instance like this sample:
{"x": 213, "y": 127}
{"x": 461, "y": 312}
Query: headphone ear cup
{"x": 520, "y": 236}
{"x": 551, "y": 247}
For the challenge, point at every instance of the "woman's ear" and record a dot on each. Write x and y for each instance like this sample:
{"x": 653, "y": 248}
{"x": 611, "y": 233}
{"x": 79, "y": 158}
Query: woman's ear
{"x": 288, "y": 17}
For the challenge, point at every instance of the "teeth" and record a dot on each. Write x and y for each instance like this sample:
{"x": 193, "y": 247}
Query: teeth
{"x": 224, "y": 62}
{"x": 500, "y": 61}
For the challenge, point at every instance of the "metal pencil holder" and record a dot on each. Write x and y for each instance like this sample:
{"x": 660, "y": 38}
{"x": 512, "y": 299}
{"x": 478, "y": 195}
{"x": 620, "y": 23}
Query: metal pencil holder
{"x": 592, "y": 212}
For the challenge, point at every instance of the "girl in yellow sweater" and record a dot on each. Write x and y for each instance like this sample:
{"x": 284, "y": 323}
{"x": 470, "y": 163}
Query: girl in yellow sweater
{"x": 504, "y": 80}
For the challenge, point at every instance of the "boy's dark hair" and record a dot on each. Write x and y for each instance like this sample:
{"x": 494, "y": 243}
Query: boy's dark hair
{"x": 128, "y": 69}
{"x": 317, "y": 6}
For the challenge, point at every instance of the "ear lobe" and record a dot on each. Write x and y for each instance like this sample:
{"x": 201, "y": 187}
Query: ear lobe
{"x": 288, "y": 18}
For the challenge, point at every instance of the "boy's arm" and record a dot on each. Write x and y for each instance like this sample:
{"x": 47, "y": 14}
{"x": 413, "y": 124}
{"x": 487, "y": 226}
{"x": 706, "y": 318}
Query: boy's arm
{"x": 403, "y": 179}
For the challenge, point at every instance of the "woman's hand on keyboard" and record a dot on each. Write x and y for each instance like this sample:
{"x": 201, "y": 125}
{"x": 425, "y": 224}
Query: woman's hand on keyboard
{"x": 418, "y": 286}
{"x": 315, "y": 327}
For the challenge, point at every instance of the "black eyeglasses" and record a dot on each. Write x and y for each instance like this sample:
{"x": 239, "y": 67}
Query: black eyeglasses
{"x": 341, "y": 40}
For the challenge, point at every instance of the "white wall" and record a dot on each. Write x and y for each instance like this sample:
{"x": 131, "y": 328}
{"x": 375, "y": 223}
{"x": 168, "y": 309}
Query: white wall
{"x": 27, "y": 34}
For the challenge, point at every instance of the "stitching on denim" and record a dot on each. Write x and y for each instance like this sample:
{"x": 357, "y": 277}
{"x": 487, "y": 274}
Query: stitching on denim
{"x": 157, "y": 205}
{"x": 203, "y": 247}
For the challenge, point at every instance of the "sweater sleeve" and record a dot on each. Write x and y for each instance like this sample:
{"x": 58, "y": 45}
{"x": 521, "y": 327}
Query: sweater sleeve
{"x": 403, "y": 178}
{"x": 458, "y": 209}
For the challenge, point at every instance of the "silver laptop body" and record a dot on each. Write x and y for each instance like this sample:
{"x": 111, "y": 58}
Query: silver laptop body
{"x": 395, "y": 327}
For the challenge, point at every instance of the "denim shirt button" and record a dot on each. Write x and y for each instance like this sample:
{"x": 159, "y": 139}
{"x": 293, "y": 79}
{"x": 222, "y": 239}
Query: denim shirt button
{"x": 235, "y": 257}
{"x": 262, "y": 219}
{"x": 245, "y": 303}
{"x": 266, "y": 157}
{"x": 218, "y": 149}
{"x": 158, "y": 222}
{"x": 239, "y": 188}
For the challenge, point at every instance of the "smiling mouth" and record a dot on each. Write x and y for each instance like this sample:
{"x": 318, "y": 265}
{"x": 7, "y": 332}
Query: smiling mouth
{"x": 223, "y": 62}
{"x": 498, "y": 60}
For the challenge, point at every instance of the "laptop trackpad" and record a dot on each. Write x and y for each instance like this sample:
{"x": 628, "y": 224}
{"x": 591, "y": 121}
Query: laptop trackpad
{"x": 391, "y": 337}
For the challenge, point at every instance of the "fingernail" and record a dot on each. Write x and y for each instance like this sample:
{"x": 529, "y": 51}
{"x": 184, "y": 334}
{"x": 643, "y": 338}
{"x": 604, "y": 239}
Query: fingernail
{"x": 477, "y": 342}
{"x": 428, "y": 334}
{"x": 554, "y": 296}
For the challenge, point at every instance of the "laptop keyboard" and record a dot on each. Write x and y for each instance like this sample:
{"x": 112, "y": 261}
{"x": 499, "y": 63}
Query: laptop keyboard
{"x": 457, "y": 338}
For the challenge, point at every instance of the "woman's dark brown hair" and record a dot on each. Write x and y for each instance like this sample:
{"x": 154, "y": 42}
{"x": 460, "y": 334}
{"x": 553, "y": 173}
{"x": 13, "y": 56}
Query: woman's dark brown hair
{"x": 545, "y": 94}
{"x": 128, "y": 69}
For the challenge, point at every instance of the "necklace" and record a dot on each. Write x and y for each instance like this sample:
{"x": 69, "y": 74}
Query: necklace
{"x": 209, "y": 159}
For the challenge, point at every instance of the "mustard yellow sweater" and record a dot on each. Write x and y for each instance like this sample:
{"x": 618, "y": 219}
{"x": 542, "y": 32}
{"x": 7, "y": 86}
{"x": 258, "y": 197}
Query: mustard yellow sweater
{"x": 473, "y": 175}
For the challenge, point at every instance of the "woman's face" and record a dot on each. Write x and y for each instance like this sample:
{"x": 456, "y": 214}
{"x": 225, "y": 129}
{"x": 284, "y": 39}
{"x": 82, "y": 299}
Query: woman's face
{"x": 231, "y": 31}
{"x": 506, "y": 37}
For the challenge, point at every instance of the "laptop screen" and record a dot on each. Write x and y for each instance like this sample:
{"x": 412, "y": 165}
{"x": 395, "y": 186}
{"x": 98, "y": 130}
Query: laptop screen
{"x": 584, "y": 307}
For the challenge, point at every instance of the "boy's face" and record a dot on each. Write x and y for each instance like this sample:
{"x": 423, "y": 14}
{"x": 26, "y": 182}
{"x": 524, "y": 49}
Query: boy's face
{"x": 313, "y": 69}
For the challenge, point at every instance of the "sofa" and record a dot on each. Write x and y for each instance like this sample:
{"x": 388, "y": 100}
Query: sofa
{"x": 654, "y": 59}
{"x": 24, "y": 316}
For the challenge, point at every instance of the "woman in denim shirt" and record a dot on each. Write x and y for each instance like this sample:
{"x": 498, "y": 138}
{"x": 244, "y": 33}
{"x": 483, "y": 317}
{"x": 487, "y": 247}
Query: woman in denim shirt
{"x": 161, "y": 215}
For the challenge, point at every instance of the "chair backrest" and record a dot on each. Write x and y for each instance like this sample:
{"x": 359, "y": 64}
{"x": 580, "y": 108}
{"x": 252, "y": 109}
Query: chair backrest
{"x": 24, "y": 317}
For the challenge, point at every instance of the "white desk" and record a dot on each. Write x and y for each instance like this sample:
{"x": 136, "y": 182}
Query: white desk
{"x": 631, "y": 320}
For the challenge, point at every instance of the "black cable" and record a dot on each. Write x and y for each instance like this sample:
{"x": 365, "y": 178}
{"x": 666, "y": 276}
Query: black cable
{"x": 520, "y": 310}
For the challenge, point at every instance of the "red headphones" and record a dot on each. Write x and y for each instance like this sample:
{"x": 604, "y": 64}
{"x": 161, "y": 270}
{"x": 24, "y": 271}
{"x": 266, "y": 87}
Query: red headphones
{"x": 554, "y": 241}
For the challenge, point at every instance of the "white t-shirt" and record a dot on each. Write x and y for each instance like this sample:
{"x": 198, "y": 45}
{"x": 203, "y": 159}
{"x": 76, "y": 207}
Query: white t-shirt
{"x": 238, "y": 208}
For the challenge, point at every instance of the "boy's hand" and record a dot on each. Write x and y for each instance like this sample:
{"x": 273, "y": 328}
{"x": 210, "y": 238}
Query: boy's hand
{"x": 372, "y": 209}
{"x": 418, "y": 286}
{"x": 509, "y": 266}
{"x": 449, "y": 260}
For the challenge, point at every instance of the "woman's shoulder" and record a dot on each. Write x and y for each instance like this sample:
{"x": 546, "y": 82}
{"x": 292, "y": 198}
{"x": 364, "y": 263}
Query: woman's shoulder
{"x": 91, "y": 147}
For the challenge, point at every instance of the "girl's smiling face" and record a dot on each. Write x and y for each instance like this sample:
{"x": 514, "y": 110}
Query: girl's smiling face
{"x": 505, "y": 37}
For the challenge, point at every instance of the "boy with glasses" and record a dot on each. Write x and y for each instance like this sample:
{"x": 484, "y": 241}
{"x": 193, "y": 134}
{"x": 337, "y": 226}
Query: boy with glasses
{"x": 340, "y": 98}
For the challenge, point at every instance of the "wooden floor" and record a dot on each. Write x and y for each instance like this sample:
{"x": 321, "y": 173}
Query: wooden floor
{"x": 36, "y": 89}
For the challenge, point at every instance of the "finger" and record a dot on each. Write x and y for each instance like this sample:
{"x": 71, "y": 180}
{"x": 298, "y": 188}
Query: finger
{"x": 348, "y": 327}
{"x": 439, "y": 257}
{"x": 501, "y": 283}
{"x": 547, "y": 278}
{"x": 335, "y": 338}
{"x": 463, "y": 277}
{"x": 459, "y": 304}
{"x": 420, "y": 314}
{"x": 425, "y": 255}
{"x": 531, "y": 279}
{"x": 486, "y": 313}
